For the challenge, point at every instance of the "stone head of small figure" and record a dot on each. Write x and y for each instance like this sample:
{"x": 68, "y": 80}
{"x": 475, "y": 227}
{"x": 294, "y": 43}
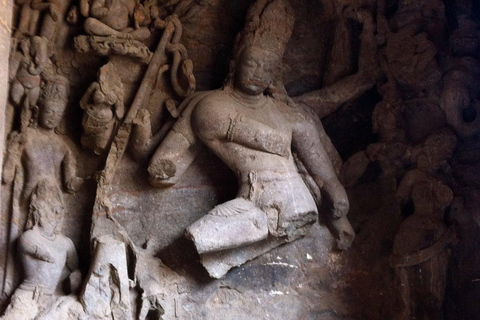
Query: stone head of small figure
{"x": 255, "y": 70}
{"x": 53, "y": 103}
{"x": 47, "y": 208}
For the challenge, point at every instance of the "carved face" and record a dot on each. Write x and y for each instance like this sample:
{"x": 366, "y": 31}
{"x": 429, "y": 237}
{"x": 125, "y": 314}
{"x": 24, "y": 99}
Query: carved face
{"x": 51, "y": 114}
{"x": 50, "y": 217}
{"x": 255, "y": 70}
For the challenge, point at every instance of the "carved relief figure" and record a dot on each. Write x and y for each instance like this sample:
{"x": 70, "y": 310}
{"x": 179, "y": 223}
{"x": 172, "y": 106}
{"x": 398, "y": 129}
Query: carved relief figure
{"x": 25, "y": 75}
{"x": 419, "y": 253}
{"x": 104, "y": 296}
{"x": 255, "y": 135}
{"x": 40, "y": 151}
{"x": 103, "y": 107}
{"x": 112, "y": 18}
{"x": 48, "y": 257}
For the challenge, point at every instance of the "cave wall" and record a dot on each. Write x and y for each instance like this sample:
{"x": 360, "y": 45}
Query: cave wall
{"x": 308, "y": 278}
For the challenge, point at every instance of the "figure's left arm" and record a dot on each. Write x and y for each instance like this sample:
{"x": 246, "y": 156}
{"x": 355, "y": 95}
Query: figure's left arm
{"x": 310, "y": 151}
{"x": 119, "y": 108}
{"x": 72, "y": 182}
{"x": 71, "y": 266}
{"x": 326, "y": 100}
{"x": 72, "y": 258}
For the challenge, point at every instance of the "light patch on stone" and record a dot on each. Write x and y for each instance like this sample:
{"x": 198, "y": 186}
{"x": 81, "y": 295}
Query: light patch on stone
{"x": 281, "y": 264}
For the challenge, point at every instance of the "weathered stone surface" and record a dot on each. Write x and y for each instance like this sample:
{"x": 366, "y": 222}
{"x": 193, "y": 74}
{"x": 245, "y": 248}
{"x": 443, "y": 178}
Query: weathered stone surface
{"x": 389, "y": 79}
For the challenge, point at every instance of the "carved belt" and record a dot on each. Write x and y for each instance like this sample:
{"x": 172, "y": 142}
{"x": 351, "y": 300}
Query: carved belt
{"x": 253, "y": 178}
{"x": 37, "y": 290}
{"x": 421, "y": 256}
{"x": 267, "y": 176}
{"x": 95, "y": 125}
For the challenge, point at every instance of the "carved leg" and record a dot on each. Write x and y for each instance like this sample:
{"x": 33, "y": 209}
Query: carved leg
{"x": 25, "y": 116}
{"x": 230, "y": 225}
{"x": 32, "y": 96}
{"x": 403, "y": 284}
{"x": 17, "y": 92}
{"x": 218, "y": 263}
{"x": 26, "y": 15}
{"x": 94, "y": 27}
{"x": 145, "y": 307}
{"x": 22, "y": 307}
{"x": 140, "y": 34}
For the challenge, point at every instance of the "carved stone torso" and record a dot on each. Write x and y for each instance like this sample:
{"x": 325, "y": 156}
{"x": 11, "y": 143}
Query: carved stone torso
{"x": 262, "y": 123}
{"x": 43, "y": 154}
{"x": 27, "y": 75}
{"x": 425, "y": 227}
{"x": 96, "y": 117}
{"x": 260, "y": 155}
{"x": 40, "y": 273}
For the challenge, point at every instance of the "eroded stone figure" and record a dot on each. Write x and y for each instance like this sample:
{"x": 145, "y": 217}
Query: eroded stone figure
{"x": 48, "y": 257}
{"x": 112, "y": 18}
{"x": 55, "y": 12}
{"x": 28, "y": 20}
{"x": 420, "y": 256}
{"x": 104, "y": 296}
{"x": 40, "y": 152}
{"x": 255, "y": 135}
{"x": 103, "y": 107}
{"x": 25, "y": 76}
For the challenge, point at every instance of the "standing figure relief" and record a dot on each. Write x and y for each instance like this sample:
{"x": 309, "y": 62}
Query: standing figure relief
{"x": 103, "y": 107}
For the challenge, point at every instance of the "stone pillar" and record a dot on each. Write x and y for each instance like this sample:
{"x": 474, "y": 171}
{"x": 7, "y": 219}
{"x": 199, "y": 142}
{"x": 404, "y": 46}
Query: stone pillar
{"x": 6, "y": 7}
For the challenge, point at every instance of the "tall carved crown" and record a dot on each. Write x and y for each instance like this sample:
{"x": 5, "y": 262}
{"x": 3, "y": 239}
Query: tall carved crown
{"x": 269, "y": 25}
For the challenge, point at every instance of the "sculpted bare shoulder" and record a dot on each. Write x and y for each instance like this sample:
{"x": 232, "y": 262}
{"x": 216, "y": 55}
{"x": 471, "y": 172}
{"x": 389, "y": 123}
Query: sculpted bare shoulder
{"x": 212, "y": 115}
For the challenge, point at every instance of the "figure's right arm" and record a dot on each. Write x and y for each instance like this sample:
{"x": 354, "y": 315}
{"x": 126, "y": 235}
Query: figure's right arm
{"x": 86, "y": 96}
{"x": 13, "y": 158}
{"x": 13, "y": 65}
{"x": 178, "y": 150}
{"x": 404, "y": 190}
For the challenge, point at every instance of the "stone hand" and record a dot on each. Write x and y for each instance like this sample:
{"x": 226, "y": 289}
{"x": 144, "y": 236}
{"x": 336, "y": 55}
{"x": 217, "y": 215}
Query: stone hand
{"x": 343, "y": 232}
{"x": 74, "y": 184}
{"x": 53, "y": 12}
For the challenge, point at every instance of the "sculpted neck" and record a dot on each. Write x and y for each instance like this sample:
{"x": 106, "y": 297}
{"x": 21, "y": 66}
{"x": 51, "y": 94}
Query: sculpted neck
{"x": 45, "y": 130}
{"x": 46, "y": 234}
{"x": 246, "y": 98}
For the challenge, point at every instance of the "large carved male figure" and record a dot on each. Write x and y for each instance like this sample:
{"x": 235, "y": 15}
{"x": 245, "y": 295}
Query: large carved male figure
{"x": 256, "y": 136}
{"x": 48, "y": 257}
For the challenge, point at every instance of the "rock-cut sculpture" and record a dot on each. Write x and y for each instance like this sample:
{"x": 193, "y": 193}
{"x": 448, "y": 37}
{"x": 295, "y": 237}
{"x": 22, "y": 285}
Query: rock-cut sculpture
{"x": 256, "y": 134}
